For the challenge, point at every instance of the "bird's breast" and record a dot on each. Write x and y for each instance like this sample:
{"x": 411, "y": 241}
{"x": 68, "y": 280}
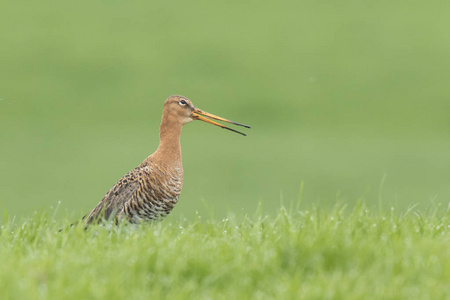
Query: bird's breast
{"x": 157, "y": 194}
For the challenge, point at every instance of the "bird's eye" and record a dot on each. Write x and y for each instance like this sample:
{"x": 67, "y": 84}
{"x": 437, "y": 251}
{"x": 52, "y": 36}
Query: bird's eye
{"x": 182, "y": 102}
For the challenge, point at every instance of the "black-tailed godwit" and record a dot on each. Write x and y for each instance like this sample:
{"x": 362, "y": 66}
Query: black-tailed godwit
{"x": 150, "y": 191}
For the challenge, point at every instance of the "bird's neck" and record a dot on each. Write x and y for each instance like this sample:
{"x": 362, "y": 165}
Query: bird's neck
{"x": 169, "y": 150}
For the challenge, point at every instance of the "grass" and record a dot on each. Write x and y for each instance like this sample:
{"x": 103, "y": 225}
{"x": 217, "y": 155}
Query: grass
{"x": 343, "y": 253}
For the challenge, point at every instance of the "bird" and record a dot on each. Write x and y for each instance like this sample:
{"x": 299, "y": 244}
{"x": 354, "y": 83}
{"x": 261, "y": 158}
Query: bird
{"x": 150, "y": 191}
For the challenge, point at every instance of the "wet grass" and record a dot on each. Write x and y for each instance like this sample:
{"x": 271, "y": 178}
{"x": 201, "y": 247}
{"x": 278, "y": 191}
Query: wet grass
{"x": 343, "y": 253}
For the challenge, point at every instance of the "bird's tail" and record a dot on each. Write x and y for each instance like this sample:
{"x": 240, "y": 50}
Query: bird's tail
{"x": 76, "y": 223}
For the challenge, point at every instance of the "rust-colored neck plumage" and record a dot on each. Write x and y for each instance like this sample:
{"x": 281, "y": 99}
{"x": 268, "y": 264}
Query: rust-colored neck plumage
{"x": 169, "y": 150}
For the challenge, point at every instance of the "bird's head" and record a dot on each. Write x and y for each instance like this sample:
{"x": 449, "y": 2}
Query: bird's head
{"x": 181, "y": 109}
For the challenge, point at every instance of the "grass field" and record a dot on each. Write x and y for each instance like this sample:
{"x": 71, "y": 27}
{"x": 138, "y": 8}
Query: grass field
{"x": 353, "y": 253}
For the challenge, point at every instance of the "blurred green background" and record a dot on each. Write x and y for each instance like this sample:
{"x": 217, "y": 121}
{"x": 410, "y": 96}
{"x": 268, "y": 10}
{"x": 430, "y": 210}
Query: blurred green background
{"x": 349, "y": 97}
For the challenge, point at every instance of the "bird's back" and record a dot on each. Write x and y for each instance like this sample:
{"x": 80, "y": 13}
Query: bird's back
{"x": 148, "y": 192}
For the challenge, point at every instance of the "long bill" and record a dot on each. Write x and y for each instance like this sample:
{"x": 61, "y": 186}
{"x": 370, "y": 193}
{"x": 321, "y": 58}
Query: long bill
{"x": 204, "y": 116}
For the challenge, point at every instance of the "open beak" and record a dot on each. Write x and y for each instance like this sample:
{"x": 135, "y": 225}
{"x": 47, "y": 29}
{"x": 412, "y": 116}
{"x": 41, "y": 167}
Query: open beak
{"x": 204, "y": 116}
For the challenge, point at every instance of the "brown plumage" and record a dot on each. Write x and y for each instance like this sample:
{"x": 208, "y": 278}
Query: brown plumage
{"x": 151, "y": 190}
